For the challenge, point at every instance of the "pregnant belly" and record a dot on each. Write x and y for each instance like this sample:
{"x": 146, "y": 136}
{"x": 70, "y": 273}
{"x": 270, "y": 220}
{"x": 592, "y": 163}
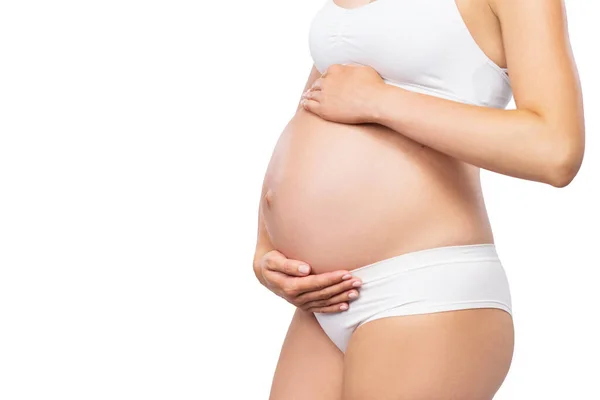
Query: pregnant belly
{"x": 342, "y": 196}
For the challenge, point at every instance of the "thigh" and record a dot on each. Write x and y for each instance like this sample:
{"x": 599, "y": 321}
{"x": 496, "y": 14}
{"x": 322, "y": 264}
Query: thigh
{"x": 459, "y": 354}
{"x": 310, "y": 366}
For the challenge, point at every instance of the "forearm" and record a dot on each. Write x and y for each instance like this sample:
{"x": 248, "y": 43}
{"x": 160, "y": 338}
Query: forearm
{"x": 518, "y": 143}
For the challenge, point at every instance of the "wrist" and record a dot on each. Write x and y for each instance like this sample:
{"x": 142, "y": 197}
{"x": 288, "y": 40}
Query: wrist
{"x": 378, "y": 105}
{"x": 374, "y": 103}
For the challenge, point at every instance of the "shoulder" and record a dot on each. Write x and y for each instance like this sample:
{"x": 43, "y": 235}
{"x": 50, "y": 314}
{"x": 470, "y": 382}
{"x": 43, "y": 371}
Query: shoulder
{"x": 527, "y": 8}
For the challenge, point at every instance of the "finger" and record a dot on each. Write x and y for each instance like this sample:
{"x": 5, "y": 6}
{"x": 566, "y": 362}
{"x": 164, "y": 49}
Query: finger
{"x": 275, "y": 278}
{"x": 310, "y": 105}
{"x": 321, "y": 281}
{"x": 313, "y": 95}
{"x": 340, "y": 298}
{"x": 330, "y": 291}
{"x": 330, "y": 309}
{"x": 273, "y": 260}
{"x": 276, "y": 261}
{"x": 294, "y": 268}
{"x": 309, "y": 91}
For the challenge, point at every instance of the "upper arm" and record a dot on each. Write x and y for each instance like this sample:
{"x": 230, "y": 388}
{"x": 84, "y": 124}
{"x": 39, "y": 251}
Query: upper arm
{"x": 542, "y": 69}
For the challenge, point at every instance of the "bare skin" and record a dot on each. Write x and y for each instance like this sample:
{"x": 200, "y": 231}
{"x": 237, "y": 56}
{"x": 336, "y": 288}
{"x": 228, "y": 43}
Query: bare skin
{"x": 310, "y": 366}
{"x": 455, "y": 355}
{"x": 294, "y": 281}
{"x": 357, "y": 170}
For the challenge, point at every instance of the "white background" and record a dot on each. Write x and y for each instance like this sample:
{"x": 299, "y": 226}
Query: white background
{"x": 134, "y": 136}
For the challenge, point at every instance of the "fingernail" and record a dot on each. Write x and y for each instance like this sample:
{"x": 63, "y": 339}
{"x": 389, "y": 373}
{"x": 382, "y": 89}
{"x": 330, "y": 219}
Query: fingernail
{"x": 346, "y": 277}
{"x": 303, "y": 269}
{"x": 357, "y": 284}
{"x": 353, "y": 295}
{"x": 344, "y": 307}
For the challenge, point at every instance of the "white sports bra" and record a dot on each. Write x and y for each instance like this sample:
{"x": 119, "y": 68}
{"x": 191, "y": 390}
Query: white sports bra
{"x": 418, "y": 45}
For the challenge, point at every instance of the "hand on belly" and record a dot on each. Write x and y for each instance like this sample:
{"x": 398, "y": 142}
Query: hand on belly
{"x": 343, "y": 196}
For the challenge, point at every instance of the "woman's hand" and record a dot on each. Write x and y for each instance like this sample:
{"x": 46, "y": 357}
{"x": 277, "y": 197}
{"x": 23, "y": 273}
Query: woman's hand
{"x": 328, "y": 292}
{"x": 345, "y": 93}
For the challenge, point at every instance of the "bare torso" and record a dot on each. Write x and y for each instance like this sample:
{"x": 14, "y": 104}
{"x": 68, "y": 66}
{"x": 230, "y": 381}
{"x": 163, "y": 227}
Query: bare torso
{"x": 341, "y": 196}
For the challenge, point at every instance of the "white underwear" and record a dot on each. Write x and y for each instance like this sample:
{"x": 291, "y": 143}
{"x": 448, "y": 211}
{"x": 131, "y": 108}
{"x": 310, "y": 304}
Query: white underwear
{"x": 425, "y": 281}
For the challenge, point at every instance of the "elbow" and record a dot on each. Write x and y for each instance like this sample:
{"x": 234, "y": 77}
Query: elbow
{"x": 564, "y": 165}
{"x": 561, "y": 177}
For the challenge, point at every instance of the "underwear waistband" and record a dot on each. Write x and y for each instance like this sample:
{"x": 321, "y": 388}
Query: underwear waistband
{"x": 427, "y": 257}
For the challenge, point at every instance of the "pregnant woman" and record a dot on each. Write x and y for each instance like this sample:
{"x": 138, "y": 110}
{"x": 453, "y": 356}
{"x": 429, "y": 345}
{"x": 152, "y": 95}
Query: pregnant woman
{"x": 372, "y": 220}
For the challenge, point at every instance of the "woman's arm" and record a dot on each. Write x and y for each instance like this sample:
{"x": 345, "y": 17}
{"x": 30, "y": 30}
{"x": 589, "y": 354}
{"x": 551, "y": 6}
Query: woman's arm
{"x": 543, "y": 139}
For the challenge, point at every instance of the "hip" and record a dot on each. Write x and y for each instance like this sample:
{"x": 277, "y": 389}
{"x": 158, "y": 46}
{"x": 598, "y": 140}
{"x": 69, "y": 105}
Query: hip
{"x": 447, "y": 278}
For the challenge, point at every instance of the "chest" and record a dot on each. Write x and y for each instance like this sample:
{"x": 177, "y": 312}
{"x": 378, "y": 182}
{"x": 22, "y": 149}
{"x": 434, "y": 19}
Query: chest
{"x": 418, "y": 44}
{"x": 390, "y": 35}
